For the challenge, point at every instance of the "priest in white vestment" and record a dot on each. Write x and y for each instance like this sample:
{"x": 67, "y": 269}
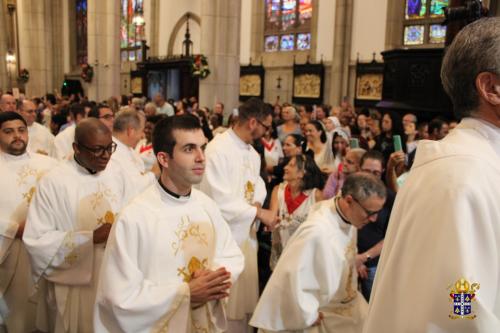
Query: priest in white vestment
{"x": 21, "y": 170}
{"x": 440, "y": 267}
{"x": 40, "y": 141}
{"x": 233, "y": 180}
{"x": 314, "y": 285}
{"x": 63, "y": 142}
{"x": 128, "y": 130}
{"x": 68, "y": 224}
{"x": 171, "y": 257}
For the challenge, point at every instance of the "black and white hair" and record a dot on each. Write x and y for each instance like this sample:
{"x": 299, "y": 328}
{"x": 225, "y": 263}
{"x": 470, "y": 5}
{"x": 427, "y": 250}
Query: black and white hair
{"x": 475, "y": 49}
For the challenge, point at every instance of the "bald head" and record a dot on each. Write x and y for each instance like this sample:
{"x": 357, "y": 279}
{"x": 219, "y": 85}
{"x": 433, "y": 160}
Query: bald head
{"x": 88, "y": 128}
{"x": 28, "y": 111}
{"x": 7, "y": 103}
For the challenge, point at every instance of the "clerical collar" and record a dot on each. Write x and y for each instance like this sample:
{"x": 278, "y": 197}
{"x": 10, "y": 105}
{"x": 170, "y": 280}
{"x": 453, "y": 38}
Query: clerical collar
{"x": 10, "y": 157}
{"x": 92, "y": 172}
{"x": 175, "y": 195}
{"x": 337, "y": 208}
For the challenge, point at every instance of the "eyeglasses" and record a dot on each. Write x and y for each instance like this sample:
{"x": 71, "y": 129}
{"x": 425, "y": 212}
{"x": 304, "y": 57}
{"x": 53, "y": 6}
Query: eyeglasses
{"x": 99, "y": 151}
{"x": 368, "y": 213}
{"x": 264, "y": 125}
{"x": 373, "y": 172}
{"x": 108, "y": 116}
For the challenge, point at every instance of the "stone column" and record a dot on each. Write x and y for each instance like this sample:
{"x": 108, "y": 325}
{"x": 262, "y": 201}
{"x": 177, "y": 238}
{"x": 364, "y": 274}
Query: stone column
{"x": 103, "y": 36}
{"x": 3, "y": 47}
{"x": 339, "y": 80}
{"x": 220, "y": 33}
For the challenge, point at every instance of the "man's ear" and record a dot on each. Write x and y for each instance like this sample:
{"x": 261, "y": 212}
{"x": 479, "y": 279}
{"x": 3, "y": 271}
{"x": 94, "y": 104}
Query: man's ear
{"x": 75, "y": 148}
{"x": 252, "y": 123}
{"x": 163, "y": 159}
{"x": 488, "y": 87}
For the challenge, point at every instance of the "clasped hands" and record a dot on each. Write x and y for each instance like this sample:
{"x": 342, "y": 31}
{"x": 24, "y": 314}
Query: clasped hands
{"x": 207, "y": 285}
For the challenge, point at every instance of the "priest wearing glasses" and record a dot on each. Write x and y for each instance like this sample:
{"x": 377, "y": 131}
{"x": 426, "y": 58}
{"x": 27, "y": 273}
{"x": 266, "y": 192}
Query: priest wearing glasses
{"x": 68, "y": 224}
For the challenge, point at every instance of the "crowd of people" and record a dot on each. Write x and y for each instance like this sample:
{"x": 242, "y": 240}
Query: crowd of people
{"x": 138, "y": 215}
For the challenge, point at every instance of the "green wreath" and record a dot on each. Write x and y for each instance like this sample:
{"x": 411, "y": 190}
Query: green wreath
{"x": 199, "y": 66}
{"x": 24, "y": 75}
{"x": 87, "y": 73}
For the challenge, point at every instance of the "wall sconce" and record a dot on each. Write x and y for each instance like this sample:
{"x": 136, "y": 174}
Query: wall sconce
{"x": 10, "y": 58}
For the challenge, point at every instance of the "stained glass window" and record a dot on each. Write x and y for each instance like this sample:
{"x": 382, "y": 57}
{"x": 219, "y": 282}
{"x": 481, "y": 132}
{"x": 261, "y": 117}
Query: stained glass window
{"x": 414, "y": 35}
{"x": 305, "y": 10}
{"x": 81, "y": 31}
{"x": 130, "y": 34}
{"x": 288, "y": 14}
{"x": 287, "y": 25}
{"x": 287, "y": 42}
{"x": 422, "y": 23}
{"x": 273, "y": 13}
{"x": 303, "y": 41}
{"x": 271, "y": 43}
{"x": 415, "y": 9}
{"x": 436, "y": 9}
{"x": 437, "y": 34}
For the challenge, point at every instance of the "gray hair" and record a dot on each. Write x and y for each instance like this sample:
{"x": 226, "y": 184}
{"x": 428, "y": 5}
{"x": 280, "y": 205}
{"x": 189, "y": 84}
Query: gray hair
{"x": 150, "y": 105}
{"x": 126, "y": 119}
{"x": 362, "y": 185}
{"x": 475, "y": 49}
{"x": 138, "y": 102}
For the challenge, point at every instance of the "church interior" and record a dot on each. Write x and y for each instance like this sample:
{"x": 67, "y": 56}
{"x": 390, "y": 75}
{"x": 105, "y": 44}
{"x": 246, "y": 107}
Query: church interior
{"x": 306, "y": 120}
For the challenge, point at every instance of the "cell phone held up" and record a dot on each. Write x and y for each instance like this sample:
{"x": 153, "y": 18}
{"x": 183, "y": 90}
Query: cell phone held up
{"x": 398, "y": 146}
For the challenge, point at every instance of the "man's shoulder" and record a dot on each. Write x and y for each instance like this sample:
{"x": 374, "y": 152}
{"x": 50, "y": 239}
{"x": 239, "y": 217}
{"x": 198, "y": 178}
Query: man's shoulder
{"x": 319, "y": 218}
{"x": 43, "y": 160}
{"x": 42, "y": 129}
{"x": 145, "y": 203}
{"x": 59, "y": 175}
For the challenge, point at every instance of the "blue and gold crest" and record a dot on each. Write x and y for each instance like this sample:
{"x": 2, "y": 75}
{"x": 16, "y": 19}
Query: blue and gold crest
{"x": 462, "y": 296}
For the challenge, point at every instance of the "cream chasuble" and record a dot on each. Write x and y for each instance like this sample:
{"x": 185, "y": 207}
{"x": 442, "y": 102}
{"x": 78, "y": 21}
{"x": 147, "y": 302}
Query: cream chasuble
{"x": 157, "y": 244}
{"x": 133, "y": 166}
{"x": 315, "y": 273}
{"x": 445, "y": 226}
{"x": 63, "y": 143}
{"x": 20, "y": 175}
{"x": 232, "y": 179}
{"x": 40, "y": 141}
{"x": 68, "y": 205}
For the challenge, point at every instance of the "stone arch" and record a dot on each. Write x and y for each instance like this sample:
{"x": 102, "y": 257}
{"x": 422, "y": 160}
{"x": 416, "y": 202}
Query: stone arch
{"x": 178, "y": 26}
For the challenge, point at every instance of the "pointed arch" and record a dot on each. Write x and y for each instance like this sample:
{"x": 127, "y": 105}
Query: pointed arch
{"x": 180, "y": 23}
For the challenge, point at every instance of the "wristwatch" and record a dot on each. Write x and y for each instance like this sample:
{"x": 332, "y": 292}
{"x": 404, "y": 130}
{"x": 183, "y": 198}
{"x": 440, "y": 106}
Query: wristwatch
{"x": 368, "y": 257}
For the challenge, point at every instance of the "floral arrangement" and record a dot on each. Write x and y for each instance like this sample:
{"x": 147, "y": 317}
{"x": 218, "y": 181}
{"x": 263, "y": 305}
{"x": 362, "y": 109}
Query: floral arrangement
{"x": 24, "y": 75}
{"x": 199, "y": 66}
{"x": 87, "y": 73}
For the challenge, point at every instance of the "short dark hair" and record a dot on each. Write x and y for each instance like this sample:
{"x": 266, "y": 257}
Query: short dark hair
{"x": 9, "y": 116}
{"x": 94, "y": 111}
{"x": 51, "y": 98}
{"x": 76, "y": 109}
{"x": 373, "y": 155}
{"x": 253, "y": 108}
{"x": 163, "y": 134}
{"x": 153, "y": 119}
{"x": 313, "y": 176}
{"x": 436, "y": 123}
{"x": 319, "y": 127}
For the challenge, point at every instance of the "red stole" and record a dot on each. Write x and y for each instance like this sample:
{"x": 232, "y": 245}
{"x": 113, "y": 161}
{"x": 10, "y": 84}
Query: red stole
{"x": 293, "y": 203}
{"x": 268, "y": 146}
{"x": 145, "y": 148}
